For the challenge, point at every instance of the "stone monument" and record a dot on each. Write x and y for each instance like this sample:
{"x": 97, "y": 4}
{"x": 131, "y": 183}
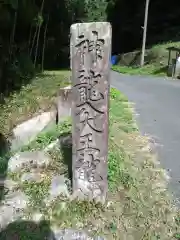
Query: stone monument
{"x": 90, "y": 65}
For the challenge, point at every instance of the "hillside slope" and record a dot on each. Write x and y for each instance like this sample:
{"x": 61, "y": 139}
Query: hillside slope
{"x": 156, "y": 60}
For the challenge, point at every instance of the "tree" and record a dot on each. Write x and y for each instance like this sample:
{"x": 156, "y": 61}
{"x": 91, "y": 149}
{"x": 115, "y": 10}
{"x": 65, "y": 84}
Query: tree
{"x": 40, "y": 22}
{"x": 15, "y": 8}
{"x": 44, "y": 44}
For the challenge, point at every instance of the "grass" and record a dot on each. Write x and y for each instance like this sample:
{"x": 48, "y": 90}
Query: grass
{"x": 37, "y": 96}
{"x": 138, "y": 206}
{"x": 36, "y": 192}
{"x": 156, "y": 60}
{"x": 33, "y": 98}
{"x": 47, "y": 137}
{"x": 149, "y": 69}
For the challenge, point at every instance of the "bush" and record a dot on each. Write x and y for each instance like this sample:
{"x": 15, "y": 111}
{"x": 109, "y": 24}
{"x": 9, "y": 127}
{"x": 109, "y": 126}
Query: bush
{"x": 17, "y": 73}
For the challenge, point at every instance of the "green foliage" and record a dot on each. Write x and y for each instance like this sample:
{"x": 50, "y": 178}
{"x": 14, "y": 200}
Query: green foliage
{"x": 156, "y": 61}
{"x": 87, "y": 10}
{"x": 36, "y": 191}
{"x": 96, "y": 10}
{"x": 115, "y": 94}
{"x": 18, "y": 31}
{"x": 19, "y": 71}
{"x": 38, "y": 20}
{"x": 18, "y": 40}
{"x": 23, "y": 67}
{"x": 119, "y": 112}
{"x": 14, "y": 4}
{"x": 47, "y": 137}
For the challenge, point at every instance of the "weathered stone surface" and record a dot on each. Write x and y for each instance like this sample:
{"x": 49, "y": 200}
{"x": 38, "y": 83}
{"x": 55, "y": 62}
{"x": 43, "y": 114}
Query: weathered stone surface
{"x": 27, "y": 131}
{"x": 99, "y": 238}
{"x": 177, "y": 71}
{"x": 52, "y": 145}
{"x": 37, "y": 217}
{"x": 12, "y": 208}
{"x": 64, "y": 102}
{"x": 30, "y": 159}
{"x": 70, "y": 234}
{"x": 31, "y": 177}
{"x": 18, "y": 200}
{"x": 8, "y": 184}
{"x": 90, "y": 62}
{"x": 58, "y": 187}
{"x": 7, "y": 216}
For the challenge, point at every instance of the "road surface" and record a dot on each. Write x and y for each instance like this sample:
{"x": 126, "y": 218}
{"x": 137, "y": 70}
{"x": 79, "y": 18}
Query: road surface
{"x": 157, "y": 104}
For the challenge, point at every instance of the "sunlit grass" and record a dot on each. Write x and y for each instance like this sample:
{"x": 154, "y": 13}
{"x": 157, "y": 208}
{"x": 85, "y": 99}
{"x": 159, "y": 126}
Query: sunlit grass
{"x": 37, "y": 96}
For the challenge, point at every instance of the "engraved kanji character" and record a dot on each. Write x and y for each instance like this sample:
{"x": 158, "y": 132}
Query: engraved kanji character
{"x": 94, "y": 45}
{"x": 85, "y": 118}
{"x": 83, "y": 94}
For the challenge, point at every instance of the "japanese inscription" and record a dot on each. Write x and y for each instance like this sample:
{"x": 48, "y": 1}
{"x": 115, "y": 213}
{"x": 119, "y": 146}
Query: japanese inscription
{"x": 90, "y": 63}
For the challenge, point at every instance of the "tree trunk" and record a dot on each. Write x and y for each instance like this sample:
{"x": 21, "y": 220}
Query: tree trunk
{"x": 37, "y": 44}
{"x": 29, "y": 42}
{"x": 39, "y": 30}
{"x": 44, "y": 44}
{"x": 12, "y": 35}
{"x": 33, "y": 42}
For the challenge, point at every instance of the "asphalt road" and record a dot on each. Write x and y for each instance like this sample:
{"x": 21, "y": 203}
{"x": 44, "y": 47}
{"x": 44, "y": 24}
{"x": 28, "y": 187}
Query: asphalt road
{"x": 157, "y": 104}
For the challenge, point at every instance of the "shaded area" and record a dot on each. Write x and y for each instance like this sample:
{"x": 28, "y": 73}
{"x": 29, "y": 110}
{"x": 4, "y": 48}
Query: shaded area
{"x": 4, "y": 158}
{"x": 162, "y": 70}
{"x": 13, "y": 79}
{"x": 31, "y": 41}
{"x": 66, "y": 149}
{"x": 127, "y": 19}
{"x": 27, "y": 230}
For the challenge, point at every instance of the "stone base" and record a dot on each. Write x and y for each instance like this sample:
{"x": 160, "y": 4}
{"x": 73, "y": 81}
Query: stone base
{"x": 64, "y": 101}
{"x": 27, "y": 131}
